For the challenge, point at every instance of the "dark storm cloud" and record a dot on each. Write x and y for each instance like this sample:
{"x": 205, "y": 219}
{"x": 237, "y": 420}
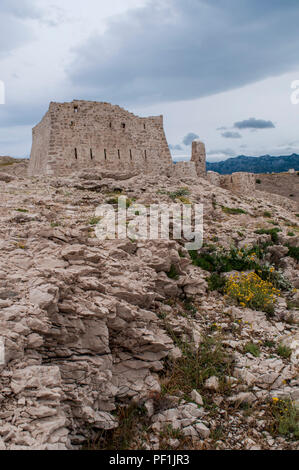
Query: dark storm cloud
{"x": 185, "y": 49}
{"x": 253, "y": 123}
{"x": 231, "y": 135}
{"x": 188, "y": 139}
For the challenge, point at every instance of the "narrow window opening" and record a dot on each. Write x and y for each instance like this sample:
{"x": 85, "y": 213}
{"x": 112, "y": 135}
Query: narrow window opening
{"x": 76, "y": 154}
{"x": 145, "y": 155}
{"x": 75, "y": 109}
{"x": 91, "y": 155}
{"x": 123, "y": 125}
{"x": 131, "y": 156}
{"x": 118, "y": 154}
{"x": 110, "y": 125}
{"x": 143, "y": 126}
{"x": 105, "y": 154}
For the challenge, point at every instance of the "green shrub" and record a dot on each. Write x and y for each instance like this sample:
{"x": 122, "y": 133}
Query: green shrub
{"x": 190, "y": 308}
{"x": 121, "y": 438}
{"x": 196, "y": 366}
{"x": 252, "y": 349}
{"x": 284, "y": 418}
{"x": 267, "y": 214}
{"x": 221, "y": 261}
{"x": 293, "y": 252}
{"x": 284, "y": 351}
{"x": 276, "y": 277}
{"x": 179, "y": 193}
{"x": 232, "y": 210}
{"x": 114, "y": 201}
{"x": 173, "y": 274}
{"x": 216, "y": 282}
{"x": 270, "y": 231}
{"x": 94, "y": 220}
{"x": 268, "y": 344}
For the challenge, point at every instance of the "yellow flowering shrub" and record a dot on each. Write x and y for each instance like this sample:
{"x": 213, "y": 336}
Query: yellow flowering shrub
{"x": 284, "y": 418}
{"x": 249, "y": 290}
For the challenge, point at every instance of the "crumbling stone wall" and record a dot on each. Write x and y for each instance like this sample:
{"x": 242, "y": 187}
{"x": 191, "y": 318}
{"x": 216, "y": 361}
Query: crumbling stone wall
{"x": 184, "y": 170}
{"x": 39, "y": 159}
{"x": 83, "y": 134}
{"x": 237, "y": 182}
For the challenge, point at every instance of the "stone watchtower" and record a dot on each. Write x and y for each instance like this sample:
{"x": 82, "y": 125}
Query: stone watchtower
{"x": 88, "y": 134}
{"x": 199, "y": 157}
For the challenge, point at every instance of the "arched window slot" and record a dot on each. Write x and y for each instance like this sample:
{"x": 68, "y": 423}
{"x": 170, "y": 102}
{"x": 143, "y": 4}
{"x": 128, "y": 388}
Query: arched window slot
{"x": 76, "y": 154}
{"x": 143, "y": 126}
{"x": 118, "y": 154}
{"x": 91, "y": 155}
{"x": 75, "y": 109}
{"x": 110, "y": 125}
{"x": 123, "y": 125}
{"x": 105, "y": 154}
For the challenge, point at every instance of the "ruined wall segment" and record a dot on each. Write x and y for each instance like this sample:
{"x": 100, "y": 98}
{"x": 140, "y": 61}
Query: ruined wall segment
{"x": 184, "y": 170}
{"x": 239, "y": 182}
{"x": 84, "y": 134}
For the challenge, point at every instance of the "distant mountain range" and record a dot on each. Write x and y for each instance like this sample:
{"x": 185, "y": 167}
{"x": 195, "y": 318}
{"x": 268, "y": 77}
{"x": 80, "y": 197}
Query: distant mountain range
{"x": 264, "y": 164}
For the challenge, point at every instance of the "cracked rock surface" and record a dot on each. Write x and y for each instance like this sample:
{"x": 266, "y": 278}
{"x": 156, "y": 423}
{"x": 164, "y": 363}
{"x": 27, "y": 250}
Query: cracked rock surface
{"x": 90, "y": 325}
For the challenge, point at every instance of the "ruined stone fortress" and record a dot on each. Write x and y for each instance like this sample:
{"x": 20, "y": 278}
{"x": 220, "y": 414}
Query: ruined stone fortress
{"x": 89, "y": 134}
{"x": 86, "y": 134}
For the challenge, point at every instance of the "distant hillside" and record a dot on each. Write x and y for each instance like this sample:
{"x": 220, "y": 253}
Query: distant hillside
{"x": 14, "y": 166}
{"x": 264, "y": 164}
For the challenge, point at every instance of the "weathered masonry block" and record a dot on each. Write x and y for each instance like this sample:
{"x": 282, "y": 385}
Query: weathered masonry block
{"x": 87, "y": 134}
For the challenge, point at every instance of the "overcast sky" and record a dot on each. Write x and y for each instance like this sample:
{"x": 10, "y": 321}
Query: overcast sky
{"x": 218, "y": 70}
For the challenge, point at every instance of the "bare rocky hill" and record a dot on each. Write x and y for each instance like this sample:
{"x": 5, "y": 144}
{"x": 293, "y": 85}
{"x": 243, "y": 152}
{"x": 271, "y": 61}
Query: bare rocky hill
{"x": 141, "y": 344}
{"x": 283, "y": 184}
{"x": 14, "y": 166}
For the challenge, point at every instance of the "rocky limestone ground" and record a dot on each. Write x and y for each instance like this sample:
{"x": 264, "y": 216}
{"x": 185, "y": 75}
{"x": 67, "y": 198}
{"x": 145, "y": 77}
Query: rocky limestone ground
{"x": 136, "y": 344}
